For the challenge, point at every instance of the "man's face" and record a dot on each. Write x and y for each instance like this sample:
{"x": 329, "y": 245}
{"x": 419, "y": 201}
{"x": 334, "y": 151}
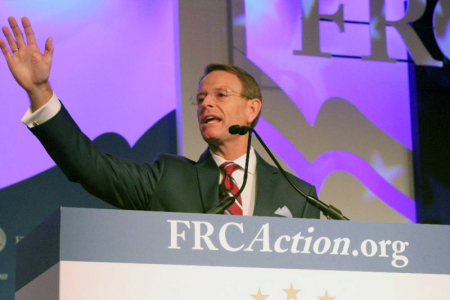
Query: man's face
{"x": 215, "y": 116}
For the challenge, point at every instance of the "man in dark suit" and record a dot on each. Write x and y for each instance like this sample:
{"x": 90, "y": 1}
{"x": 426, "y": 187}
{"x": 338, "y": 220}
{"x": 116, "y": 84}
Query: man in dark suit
{"x": 227, "y": 95}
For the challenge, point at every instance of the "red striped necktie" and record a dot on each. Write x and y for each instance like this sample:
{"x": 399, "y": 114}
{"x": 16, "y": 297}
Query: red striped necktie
{"x": 229, "y": 188}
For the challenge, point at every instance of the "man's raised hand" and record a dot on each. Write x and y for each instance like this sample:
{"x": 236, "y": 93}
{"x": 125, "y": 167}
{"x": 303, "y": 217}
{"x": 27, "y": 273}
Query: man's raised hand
{"x": 28, "y": 65}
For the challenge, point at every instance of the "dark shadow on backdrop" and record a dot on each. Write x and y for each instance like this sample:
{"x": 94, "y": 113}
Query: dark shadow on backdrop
{"x": 430, "y": 104}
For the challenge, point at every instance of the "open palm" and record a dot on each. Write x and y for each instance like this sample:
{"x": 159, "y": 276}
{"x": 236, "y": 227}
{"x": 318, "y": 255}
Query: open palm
{"x": 28, "y": 65}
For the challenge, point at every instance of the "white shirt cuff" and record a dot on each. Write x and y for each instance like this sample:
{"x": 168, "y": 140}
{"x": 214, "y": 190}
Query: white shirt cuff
{"x": 43, "y": 114}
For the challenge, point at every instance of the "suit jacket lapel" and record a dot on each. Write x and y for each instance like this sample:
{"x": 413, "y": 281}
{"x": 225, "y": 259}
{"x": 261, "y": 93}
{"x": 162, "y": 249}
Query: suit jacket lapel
{"x": 265, "y": 190}
{"x": 208, "y": 180}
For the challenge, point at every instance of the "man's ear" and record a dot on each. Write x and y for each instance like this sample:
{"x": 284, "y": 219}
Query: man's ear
{"x": 253, "y": 108}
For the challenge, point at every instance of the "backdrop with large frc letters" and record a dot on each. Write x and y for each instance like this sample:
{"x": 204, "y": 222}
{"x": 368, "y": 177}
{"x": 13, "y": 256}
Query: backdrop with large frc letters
{"x": 335, "y": 118}
{"x": 339, "y": 74}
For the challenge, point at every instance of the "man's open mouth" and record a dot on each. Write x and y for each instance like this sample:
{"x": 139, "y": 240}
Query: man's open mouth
{"x": 211, "y": 119}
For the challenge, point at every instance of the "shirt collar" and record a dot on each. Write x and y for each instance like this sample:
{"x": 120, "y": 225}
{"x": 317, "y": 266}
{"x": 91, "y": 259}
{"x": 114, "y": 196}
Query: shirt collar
{"x": 239, "y": 161}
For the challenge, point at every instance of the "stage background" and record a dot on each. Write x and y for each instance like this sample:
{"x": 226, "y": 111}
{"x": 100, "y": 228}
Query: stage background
{"x": 371, "y": 135}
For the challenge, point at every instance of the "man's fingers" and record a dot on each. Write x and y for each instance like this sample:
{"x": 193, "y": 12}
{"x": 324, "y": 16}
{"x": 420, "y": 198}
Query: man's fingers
{"x": 12, "y": 43}
{"x": 28, "y": 31}
{"x": 48, "y": 52}
{"x": 5, "y": 50}
{"x": 17, "y": 32}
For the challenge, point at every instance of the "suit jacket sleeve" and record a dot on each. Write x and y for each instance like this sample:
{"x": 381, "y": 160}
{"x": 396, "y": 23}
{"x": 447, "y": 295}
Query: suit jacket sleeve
{"x": 119, "y": 182}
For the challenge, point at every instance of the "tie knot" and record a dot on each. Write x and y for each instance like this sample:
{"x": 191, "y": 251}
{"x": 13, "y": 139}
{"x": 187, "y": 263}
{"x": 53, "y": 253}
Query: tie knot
{"x": 229, "y": 167}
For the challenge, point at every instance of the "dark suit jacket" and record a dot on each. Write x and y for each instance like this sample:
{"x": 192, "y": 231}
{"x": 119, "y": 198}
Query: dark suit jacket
{"x": 171, "y": 183}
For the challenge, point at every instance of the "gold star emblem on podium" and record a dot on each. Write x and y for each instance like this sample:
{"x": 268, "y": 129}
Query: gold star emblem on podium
{"x": 326, "y": 297}
{"x": 259, "y": 296}
{"x": 292, "y": 293}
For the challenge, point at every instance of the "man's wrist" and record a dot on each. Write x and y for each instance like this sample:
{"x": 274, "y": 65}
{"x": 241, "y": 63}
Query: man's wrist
{"x": 40, "y": 96}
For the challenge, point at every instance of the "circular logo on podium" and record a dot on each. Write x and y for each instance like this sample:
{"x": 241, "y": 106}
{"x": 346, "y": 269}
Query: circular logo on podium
{"x": 2, "y": 239}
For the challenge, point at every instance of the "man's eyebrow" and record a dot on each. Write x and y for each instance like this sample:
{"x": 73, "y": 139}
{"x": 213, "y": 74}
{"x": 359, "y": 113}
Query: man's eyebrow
{"x": 224, "y": 88}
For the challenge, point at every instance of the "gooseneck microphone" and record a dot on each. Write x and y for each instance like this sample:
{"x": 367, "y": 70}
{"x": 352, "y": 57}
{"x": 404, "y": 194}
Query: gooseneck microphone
{"x": 225, "y": 204}
{"x": 329, "y": 211}
{"x": 241, "y": 130}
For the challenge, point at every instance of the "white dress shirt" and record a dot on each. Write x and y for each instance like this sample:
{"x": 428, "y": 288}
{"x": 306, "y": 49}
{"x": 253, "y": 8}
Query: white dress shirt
{"x": 43, "y": 114}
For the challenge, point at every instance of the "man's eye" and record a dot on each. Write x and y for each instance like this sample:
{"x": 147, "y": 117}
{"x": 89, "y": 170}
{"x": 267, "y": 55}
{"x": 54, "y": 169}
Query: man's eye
{"x": 221, "y": 95}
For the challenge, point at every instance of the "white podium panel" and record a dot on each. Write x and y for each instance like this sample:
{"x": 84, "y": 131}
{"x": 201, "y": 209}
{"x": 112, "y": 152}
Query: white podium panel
{"x": 111, "y": 254}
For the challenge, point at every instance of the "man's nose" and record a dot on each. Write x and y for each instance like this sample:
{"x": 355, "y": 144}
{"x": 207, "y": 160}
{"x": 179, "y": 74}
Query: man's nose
{"x": 208, "y": 101}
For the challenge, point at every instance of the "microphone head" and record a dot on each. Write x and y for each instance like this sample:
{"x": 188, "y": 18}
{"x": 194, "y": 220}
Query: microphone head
{"x": 241, "y": 130}
{"x": 244, "y": 129}
{"x": 234, "y": 129}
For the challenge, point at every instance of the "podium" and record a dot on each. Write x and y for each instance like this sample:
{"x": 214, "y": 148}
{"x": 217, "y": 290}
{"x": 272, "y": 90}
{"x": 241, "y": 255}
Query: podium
{"x": 114, "y": 254}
